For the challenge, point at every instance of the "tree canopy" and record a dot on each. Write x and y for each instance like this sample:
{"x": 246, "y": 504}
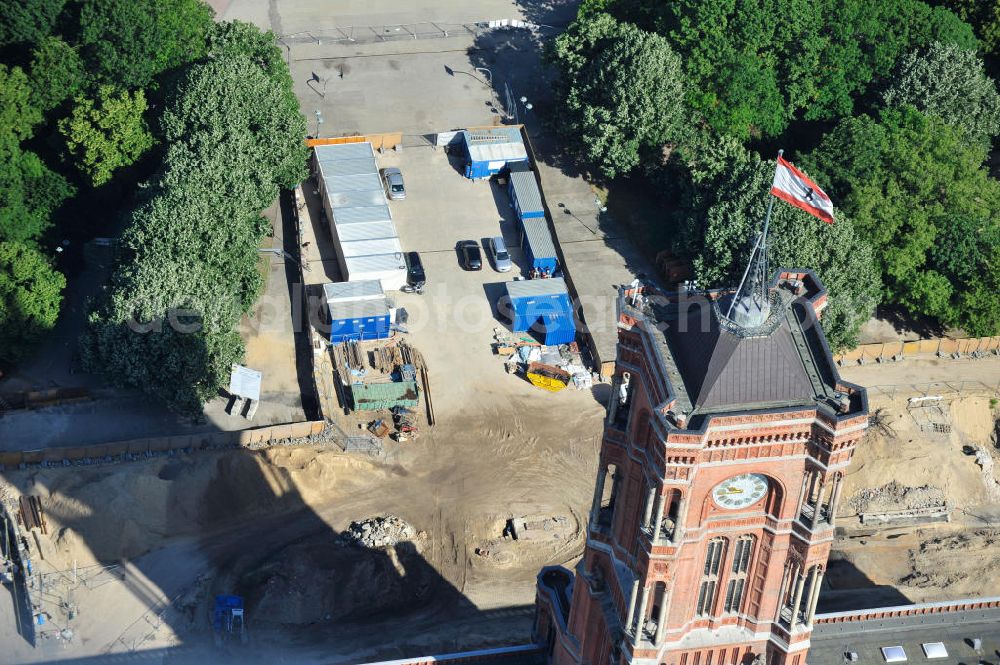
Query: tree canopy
{"x": 57, "y": 73}
{"x": 912, "y": 182}
{"x": 984, "y": 17}
{"x": 28, "y": 21}
{"x": 190, "y": 261}
{"x": 30, "y": 294}
{"x": 951, "y": 83}
{"x": 623, "y": 90}
{"x": 130, "y": 43}
{"x": 107, "y": 133}
{"x": 732, "y": 196}
{"x": 18, "y": 114}
{"x": 29, "y": 191}
{"x": 752, "y": 67}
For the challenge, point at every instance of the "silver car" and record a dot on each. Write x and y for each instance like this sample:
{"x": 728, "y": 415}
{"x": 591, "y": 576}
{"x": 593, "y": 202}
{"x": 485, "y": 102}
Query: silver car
{"x": 393, "y": 179}
{"x": 501, "y": 259}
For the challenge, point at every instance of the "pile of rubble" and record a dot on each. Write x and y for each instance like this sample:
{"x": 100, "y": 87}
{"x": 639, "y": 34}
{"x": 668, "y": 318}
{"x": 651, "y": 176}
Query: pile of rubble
{"x": 896, "y": 496}
{"x": 377, "y": 532}
{"x": 985, "y": 461}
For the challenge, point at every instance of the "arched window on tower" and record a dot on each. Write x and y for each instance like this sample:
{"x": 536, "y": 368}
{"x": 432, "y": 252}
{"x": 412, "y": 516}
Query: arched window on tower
{"x": 735, "y": 590}
{"x": 709, "y": 588}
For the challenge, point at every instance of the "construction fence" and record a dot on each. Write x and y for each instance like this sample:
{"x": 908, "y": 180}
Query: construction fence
{"x": 120, "y": 450}
{"x": 382, "y": 141}
{"x": 935, "y": 388}
{"x": 968, "y": 346}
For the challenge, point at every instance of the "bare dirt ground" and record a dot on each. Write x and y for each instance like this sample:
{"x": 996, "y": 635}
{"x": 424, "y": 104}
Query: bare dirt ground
{"x": 267, "y": 524}
{"x": 901, "y": 467}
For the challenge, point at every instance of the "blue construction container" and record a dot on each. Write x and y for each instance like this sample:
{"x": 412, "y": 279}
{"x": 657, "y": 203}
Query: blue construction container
{"x": 489, "y": 151}
{"x": 524, "y": 193}
{"x": 357, "y": 310}
{"x": 536, "y": 241}
{"x": 543, "y": 307}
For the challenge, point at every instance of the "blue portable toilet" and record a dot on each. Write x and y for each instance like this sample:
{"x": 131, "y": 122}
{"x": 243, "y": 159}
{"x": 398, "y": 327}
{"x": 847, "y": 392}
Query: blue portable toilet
{"x": 358, "y": 311}
{"x": 536, "y": 241}
{"x": 488, "y": 151}
{"x": 524, "y": 193}
{"x": 542, "y": 306}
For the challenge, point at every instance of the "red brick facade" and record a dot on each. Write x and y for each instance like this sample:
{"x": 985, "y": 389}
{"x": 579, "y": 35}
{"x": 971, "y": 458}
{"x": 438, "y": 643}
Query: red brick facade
{"x": 671, "y": 577}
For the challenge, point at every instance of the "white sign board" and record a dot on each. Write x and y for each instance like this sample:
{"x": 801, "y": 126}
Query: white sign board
{"x": 245, "y": 382}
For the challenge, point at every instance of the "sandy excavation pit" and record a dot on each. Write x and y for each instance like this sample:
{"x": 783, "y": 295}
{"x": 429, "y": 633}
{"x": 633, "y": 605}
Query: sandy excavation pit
{"x": 899, "y": 467}
{"x": 269, "y": 524}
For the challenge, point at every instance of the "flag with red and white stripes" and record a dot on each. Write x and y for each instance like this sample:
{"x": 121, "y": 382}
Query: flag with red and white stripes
{"x": 792, "y": 186}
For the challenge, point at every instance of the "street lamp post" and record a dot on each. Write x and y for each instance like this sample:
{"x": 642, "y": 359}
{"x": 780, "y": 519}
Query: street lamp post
{"x": 319, "y": 121}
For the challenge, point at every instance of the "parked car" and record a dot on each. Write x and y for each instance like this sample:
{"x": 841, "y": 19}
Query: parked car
{"x": 501, "y": 258}
{"x": 472, "y": 259}
{"x": 393, "y": 179}
{"x": 414, "y": 268}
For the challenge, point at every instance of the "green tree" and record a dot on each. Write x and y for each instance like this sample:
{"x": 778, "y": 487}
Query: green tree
{"x": 719, "y": 232}
{"x": 229, "y": 104}
{"x": 950, "y": 83}
{"x": 984, "y": 17}
{"x": 753, "y": 67}
{"x": 18, "y": 115}
{"x": 622, "y": 92}
{"x": 237, "y": 38}
{"x": 190, "y": 266}
{"x": 107, "y": 133}
{"x": 130, "y": 43}
{"x": 28, "y": 21}
{"x": 57, "y": 73}
{"x": 30, "y": 295}
{"x": 909, "y": 181}
{"x": 29, "y": 193}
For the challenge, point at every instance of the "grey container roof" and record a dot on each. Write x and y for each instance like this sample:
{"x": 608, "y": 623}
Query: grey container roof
{"x": 376, "y": 263}
{"x": 371, "y": 247}
{"x": 348, "y": 166}
{"x": 345, "y": 151}
{"x": 368, "y": 231}
{"x": 363, "y": 215}
{"x": 356, "y": 182}
{"x": 353, "y": 188}
{"x": 357, "y": 309}
{"x": 495, "y": 145}
{"x": 529, "y": 198}
{"x": 366, "y": 289}
{"x": 528, "y": 288}
{"x": 537, "y": 231}
{"x": 355, "y": 198}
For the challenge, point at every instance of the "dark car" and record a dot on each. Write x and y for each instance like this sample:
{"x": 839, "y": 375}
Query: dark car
{"x": 414, "y": 269}
{"x": 472, "y": 258}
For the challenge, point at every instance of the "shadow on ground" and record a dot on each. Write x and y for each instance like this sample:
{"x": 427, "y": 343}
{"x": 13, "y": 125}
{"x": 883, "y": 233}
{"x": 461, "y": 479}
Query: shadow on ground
{"x": 848, "y": 588}
{"x": 246, "y": 530}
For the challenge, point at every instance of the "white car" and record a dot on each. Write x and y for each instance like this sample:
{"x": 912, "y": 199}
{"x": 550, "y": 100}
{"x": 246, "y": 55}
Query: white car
{"x": 501, "y": 259}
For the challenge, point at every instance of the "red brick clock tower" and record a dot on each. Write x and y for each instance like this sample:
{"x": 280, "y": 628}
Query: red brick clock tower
{"x": 724, "y": 450}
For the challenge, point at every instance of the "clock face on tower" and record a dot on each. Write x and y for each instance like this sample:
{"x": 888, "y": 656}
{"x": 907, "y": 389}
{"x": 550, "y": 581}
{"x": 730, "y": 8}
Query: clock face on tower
{"x": 740, "y": 491}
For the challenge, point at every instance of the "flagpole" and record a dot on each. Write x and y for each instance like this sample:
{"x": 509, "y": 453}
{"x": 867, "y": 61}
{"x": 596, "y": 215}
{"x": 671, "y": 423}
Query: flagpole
{"x": 761, "y": 244}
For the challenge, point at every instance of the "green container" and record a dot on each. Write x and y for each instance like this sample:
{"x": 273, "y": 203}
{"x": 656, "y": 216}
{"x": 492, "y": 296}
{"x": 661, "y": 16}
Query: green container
{"x": 375, "y": 396}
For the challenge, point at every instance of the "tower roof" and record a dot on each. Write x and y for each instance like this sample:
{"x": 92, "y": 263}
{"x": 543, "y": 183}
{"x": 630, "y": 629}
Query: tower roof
{"x": 721, "y": 365}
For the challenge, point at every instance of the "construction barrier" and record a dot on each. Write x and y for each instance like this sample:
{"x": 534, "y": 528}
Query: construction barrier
{"x": 242, "y": 438}
{"x": 384, "y": 141}
{"x": 946, "y": 346}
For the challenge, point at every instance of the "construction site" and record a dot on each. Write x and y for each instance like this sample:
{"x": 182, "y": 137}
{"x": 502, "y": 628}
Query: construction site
{"x": 440, "y": 539}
